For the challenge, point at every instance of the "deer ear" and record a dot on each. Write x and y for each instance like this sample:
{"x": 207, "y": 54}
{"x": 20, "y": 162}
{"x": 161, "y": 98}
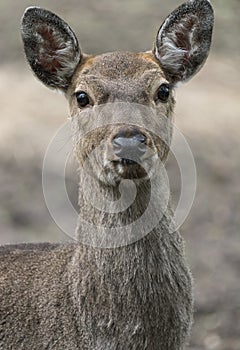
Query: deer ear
{"x": 51, "y": 47}
{"x": 184, "y": 39}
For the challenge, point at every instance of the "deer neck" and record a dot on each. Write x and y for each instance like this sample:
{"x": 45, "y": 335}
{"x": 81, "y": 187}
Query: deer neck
{"x": 133, "y": 208}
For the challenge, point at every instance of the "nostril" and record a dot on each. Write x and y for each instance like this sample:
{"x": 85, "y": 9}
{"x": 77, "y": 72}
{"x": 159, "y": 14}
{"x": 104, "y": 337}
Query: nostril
{"x": 129, "y": 147}
{"x": 117, "y": 146}
{"x": 141, "y": 138}
{"x": 141, "y": 142}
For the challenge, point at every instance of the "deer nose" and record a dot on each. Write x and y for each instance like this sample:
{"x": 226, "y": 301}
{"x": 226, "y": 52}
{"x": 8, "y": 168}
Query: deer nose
{"x": 130, "y": 147}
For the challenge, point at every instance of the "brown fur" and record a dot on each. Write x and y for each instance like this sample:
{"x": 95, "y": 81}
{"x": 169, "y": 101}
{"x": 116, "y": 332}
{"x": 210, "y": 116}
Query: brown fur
{"x": 138, "y": 294}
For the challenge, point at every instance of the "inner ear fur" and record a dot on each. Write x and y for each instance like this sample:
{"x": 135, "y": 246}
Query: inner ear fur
{"x": 184, "y": 39}
{"x": 51, "y": 47}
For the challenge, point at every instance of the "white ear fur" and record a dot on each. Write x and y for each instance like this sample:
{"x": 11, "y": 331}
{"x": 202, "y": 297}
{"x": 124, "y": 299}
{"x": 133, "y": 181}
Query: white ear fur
{"x": 184, "y": 40}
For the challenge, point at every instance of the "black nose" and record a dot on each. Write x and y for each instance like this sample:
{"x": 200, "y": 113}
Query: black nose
{"x": 129, "y": 145}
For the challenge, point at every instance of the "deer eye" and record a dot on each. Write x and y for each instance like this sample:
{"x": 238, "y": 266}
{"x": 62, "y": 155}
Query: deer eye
{"x": 82, "y": 99}
{"x": 163, "y": 92}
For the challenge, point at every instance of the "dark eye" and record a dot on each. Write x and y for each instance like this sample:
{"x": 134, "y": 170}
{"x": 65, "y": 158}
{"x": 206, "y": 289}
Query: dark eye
{"x": 82, "y": 99}
{"x": 163, "y": 92}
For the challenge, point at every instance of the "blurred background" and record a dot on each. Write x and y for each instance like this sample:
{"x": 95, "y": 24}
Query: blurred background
{"x": 208, "y": 113}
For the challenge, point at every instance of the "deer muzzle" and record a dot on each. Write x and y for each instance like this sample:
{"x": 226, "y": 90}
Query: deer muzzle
{"x": 130, "y": 147}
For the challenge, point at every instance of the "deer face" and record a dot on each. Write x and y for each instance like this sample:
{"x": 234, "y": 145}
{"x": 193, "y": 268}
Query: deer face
{"x": 118, "y": 99}
{"x": 118, "y": 96}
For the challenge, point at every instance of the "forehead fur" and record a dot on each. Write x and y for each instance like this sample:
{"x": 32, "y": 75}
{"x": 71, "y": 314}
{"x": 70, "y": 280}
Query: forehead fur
{"x": 117, "y": 65}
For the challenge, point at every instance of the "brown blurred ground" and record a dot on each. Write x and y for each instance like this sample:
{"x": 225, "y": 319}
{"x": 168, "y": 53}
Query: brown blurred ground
{"x": 208, "y": 113}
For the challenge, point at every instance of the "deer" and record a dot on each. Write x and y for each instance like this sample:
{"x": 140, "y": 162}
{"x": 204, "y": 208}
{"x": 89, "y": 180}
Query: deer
{"x": 81, "y": 294}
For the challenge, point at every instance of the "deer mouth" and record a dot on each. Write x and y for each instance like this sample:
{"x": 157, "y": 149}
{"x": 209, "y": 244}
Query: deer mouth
{"x": 126, "y": 168}
{"x": 126, "y": 162}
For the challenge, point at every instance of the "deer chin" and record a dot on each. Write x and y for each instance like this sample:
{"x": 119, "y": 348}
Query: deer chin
{"x": 116, "y": 170}
{"x": 130, "y": 169}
